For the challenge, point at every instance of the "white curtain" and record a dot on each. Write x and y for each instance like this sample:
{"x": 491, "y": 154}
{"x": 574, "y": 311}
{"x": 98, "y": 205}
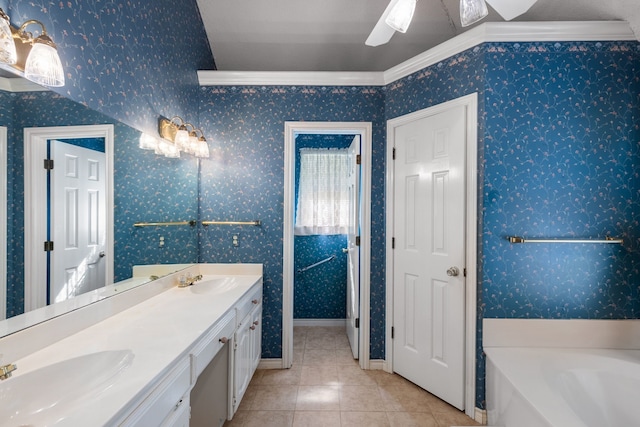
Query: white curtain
{"x": 323, "y": 192}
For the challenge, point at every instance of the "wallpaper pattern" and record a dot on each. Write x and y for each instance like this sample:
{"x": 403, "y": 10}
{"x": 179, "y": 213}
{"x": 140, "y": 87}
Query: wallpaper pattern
{"x": 244, "y": 180}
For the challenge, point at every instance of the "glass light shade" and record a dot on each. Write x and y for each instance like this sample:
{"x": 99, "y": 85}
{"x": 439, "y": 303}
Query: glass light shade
{"x": 8, "y": 53}
{"x": 182, "y": 138}
{"x": 193, "y": 144}
{"x": 172, "y": 151}
{"x": 43, "y": 64}
{"x": 148, "y": 142}
{"x": 401, "y": 14}
{"x": 203, "y": 148}
{"x": 472, "y": 11}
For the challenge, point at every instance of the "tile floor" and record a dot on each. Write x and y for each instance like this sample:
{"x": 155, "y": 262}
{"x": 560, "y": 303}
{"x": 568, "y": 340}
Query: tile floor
{"x": 326, "y": 387}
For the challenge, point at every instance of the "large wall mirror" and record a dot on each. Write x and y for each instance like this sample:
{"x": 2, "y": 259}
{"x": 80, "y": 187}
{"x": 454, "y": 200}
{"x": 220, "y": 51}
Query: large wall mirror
{"x": 146, "y": 188}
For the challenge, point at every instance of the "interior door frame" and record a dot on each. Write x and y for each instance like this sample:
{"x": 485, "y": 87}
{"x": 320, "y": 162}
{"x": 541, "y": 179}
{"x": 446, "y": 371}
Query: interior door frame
{"x": 471, "y": 199}
{"x": 35, "y": 202}
{"x": 3, "y": 222}
{"x": 355, "y": 128}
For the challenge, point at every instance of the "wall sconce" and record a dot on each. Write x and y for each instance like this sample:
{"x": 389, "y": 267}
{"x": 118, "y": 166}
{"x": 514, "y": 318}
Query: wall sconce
{"x": 183, "y": 136}
{"x": 36, "y": 58}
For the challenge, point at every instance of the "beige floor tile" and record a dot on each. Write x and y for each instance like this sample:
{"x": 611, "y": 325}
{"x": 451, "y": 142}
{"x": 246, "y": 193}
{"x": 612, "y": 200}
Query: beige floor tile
{"x": 275, "y": 398}
{"x": 385, "y": 378}
{"x": 406, "y": 398}
{"x": 411, "y": 419}
{"x": 316, "y": 419}
{"x": 453, "y": 417}
{"x": 319, "y": 375}
{"x": 325, "y": 330}
{"x": 269, "y": 419}
{"x": 364, "y": 419}
{"x": 342, "y": 341}
{"x": 353, "y": 375}
{"x": 319, "y": 357}
{"x": 298, "y": 356}
{"x": 318, "y": 398}
{"x": 247, "y": 399}
{"x": 344, "y": 356}
{"x": 238, "y": 419}
{"x": 360, "y": 398}
{"x": 299, "y": 341}
{"x": 321, "y": 342}
{"x": 300, "y": 331}
{"x": 289, "y": 376}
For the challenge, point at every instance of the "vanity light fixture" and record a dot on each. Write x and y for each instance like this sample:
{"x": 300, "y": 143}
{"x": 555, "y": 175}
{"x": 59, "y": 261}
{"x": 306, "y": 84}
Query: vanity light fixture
{"x": 34, "y": 57}
{"x": 472, "y": 11}
{"x": 401, "y": 15}
{"x": 182, "y": 136}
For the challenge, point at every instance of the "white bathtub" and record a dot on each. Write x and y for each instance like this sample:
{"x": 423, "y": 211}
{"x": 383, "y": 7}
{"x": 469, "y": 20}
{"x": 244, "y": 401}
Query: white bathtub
{"x": 557, "y": 387}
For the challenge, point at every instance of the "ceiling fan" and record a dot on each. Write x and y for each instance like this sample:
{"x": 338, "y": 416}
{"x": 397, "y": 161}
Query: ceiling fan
{"x": 398, "y": 14}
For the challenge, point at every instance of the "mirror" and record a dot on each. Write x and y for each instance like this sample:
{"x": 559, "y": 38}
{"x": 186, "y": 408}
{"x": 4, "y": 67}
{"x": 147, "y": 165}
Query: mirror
{"x": 146, "y": 188}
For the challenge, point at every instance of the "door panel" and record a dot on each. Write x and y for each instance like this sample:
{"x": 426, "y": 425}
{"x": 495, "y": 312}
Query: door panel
{"x": 429, "y": 206}
{"x": 353, "y": 250}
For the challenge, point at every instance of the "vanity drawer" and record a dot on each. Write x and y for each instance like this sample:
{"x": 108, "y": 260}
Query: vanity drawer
{"x": 209, "y": 346}
{"x": 247, "y": 304}
{"x": 164, "y": 399}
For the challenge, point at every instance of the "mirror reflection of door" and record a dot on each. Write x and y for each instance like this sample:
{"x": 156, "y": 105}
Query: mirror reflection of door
{"x": 76, "y": 218}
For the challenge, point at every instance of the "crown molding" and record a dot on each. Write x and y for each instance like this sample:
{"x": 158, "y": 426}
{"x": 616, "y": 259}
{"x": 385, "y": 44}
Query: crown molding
{"x": 557, "y": 31}
{"x": 289, "y": 78}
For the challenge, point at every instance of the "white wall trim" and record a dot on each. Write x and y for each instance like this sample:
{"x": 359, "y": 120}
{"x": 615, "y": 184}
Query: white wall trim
{"x": 378, "y": 365}
{"x": 35, "y": 231}
{"x": 270, "y": 364}
{"x": 3, "y": 222}
{"x": 16, "y": 84}
{"x": 471, "y": 104}
{"x": 331, "y": 323}
{"x": 557, "y": 31}
{"x": 364, "y": 129}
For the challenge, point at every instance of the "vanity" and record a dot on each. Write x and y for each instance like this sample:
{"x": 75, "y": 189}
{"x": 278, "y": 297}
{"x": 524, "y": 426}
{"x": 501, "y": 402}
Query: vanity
{"x": 155, "y": 355}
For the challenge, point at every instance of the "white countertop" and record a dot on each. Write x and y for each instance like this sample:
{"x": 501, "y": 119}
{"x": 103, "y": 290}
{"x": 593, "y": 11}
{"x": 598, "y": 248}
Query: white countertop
{"x": 159, "y": 331}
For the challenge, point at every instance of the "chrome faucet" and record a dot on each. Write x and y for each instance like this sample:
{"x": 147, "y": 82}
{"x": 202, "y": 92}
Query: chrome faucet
{"x": 6, "y": 370}
{"x": 188, "y": 280}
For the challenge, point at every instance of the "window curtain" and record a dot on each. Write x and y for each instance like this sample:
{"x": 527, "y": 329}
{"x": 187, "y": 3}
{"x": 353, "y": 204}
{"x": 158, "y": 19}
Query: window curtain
{"x": 323, "y": 192}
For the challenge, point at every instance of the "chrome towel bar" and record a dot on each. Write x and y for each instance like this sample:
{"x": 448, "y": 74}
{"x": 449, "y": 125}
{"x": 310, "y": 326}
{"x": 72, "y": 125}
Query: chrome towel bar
{"x": 309, "y": 267}
{"x": 257, "y": 223}
{"x": 516, "y": 239}
{"x": 192, "y": 223}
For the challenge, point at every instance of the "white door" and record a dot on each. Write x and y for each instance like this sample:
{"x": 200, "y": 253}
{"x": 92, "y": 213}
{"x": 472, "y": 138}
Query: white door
{"x": 353, "y": 250}
{"x": 428, "y": 265}
{"x": 78, "y": 215}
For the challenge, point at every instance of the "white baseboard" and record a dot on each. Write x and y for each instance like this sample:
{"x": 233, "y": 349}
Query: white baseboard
{"x": 320, "y": 322}
{"x": 378, "y": 364}
{"x": 270, "y": 364}
{"x": 481, "y": 416}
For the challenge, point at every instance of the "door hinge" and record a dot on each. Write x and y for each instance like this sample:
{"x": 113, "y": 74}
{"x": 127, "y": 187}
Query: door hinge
{"x": 393, "y": 243}
{"x": 393, "y": 153}
{"x": 357, "y": 240}
{"x": 358, "y": 159}
{"x": 392, "y": 332}
{"x": 357, "y": 322}
{"x": 48, "y": 246}
{"x": 48, "y": 164}
{"x": 464, "y": 272}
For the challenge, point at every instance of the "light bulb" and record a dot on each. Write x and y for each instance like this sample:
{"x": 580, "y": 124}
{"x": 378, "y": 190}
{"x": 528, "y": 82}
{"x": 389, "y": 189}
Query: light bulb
{"x": 43, "y": 63}
{"x": 148, "y": 142}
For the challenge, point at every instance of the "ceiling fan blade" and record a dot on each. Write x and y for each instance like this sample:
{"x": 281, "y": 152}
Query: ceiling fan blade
{"x": 510, "y": 9}
{"x": 381, "y": 33}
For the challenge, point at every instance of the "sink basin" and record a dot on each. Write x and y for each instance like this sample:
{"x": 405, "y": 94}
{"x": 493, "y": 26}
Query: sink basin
{"x": 46, "y": 396}
{"x": 213, "y": 286}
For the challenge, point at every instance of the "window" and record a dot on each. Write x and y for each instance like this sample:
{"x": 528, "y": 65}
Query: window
{"x": 323, "y": 192}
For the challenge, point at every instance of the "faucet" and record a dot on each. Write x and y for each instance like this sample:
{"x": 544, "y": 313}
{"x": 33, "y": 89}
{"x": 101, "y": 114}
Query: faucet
{"x": 6, "y": 370}
{"x": 188, "y": 280}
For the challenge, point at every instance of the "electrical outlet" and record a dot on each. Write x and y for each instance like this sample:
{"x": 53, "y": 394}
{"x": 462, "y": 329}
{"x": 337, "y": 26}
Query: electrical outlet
{"x": 161, "y": 242}
{"x": 235, "y": 240}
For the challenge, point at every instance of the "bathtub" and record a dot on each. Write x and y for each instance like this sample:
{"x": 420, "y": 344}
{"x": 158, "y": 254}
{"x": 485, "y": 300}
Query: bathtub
{"x": 559, "y": 387}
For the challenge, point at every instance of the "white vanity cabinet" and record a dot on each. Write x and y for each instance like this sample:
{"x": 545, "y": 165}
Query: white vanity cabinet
{"x": 248, "y": 344}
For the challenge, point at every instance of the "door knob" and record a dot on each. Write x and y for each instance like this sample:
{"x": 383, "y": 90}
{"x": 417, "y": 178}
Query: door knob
{"x": 453, "y": 271}
{"x": 345, "y": 250}
{"x": 101, "y": 254}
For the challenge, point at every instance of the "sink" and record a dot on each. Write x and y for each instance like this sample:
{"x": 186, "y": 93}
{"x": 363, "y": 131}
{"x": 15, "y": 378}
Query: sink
{"x": 213, "y": 286}
{"x": 46, "y": 396}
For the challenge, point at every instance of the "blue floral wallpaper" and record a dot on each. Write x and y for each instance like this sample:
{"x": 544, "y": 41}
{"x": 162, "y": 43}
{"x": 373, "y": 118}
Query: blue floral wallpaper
{"x": 319, "y": 293}
{"x": 132, "y": 60}
{"x": 146, "y": 188}
{"x": 244, "y": 180}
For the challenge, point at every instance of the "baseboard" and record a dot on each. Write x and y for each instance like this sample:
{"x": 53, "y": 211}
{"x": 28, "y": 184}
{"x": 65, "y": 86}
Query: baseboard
{"x": 320, "y": 322}
{"x": 481, "y": 416}
{"x": 378, "y": 364}
{"x": 270, "y": 364}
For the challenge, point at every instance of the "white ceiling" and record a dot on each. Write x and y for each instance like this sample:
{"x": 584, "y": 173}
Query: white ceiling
{"x": 329, "y": 35}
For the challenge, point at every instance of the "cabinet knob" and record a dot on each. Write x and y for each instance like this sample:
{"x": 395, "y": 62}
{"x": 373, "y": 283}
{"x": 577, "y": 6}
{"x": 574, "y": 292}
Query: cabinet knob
{"x": 255, "y": 322}
{"x": 255, "y": 301}
{"x": 252, "y": 327}
{"x": 223, "y": 340}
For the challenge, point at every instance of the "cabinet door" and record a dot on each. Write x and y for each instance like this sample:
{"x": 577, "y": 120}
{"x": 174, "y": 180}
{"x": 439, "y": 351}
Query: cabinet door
{"x": 256, "y": 337}
{"x": 180, "y": 416}
{"x": 242, "y": 359}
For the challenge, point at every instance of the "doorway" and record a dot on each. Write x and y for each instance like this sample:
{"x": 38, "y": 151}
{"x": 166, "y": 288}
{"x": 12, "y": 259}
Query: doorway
{"x": 36, "y": 149}
{"x": 363, "y": 132}
{"x": 435, "y": 150}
